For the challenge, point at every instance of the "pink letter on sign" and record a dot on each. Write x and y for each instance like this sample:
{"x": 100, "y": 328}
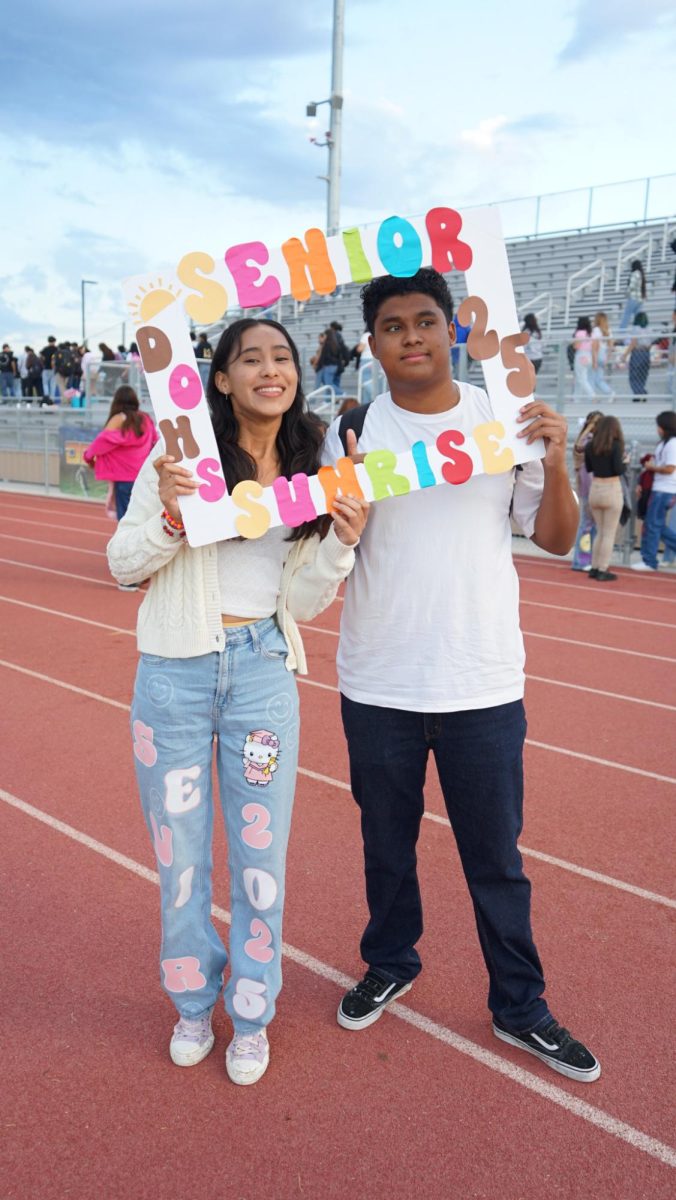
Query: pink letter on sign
{"x": 185, "y": 386}
{"x": 213, "y": 488}
{"x": 294, "y": 512}
{"x": 250, "y": 294}
{"x": 183, "y": 974}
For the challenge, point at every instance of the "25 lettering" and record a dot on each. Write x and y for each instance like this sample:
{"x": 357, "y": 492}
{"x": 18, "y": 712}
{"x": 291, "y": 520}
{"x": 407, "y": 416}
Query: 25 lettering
{"x": 484, "y": 343}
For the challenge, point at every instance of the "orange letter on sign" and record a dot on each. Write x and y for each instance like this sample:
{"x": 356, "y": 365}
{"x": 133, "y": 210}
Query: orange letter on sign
{"x": 343, "y": 478}
{"x": 313, "y": 258}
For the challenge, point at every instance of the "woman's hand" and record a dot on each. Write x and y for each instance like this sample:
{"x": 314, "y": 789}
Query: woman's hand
{"x": 174, "y": 481}
{"x": 349, "y": 518}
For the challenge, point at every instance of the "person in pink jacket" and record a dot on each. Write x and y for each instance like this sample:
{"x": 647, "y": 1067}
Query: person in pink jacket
{"x": 120, "y": 450}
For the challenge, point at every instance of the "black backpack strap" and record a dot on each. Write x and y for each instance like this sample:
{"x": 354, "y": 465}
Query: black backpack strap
{"x": 353, "y": 419}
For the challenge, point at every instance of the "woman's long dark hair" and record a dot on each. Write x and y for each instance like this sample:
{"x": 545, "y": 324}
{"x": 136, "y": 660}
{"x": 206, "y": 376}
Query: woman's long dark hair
{"x": 637, "y": 265}
{"x": 666, "y": 421}
{"x": 301, "y": 434}
{"x": 607, "y": 431}
{"x": 126, "y": 401}
{"x": 530, "y": 322}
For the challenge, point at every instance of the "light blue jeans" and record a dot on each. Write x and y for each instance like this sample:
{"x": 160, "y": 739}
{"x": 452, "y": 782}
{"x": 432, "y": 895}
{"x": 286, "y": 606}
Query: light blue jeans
{"x": 598, "y": 381}
{"x": 631, "y": 308}
{"x": 246, "y": 702}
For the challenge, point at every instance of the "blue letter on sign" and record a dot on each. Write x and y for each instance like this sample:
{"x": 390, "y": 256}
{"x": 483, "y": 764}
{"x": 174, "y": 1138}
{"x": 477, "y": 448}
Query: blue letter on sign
{"x": 403, "y": 260}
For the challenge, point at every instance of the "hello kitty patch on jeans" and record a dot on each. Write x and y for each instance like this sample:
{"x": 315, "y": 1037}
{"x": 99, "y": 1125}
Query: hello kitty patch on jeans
{"x": 260, "y": 757}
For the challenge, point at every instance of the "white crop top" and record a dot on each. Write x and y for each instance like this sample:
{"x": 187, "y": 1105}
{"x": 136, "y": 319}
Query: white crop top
{"x": 250, "y": 572}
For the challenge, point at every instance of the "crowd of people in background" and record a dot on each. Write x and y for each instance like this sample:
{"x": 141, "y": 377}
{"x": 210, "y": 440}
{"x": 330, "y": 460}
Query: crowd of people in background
{"x": 65, "y": 372}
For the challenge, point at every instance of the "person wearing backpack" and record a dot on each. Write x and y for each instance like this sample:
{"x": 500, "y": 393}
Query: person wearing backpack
{"x": 34, "y": 369}
{"x": 63, "y": 368}
{"x": 431, "y": 661}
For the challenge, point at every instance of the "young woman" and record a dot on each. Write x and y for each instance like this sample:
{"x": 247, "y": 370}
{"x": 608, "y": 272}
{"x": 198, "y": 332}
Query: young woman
{"x": 219, "y": 647}
{"x": 662, "y": 495}
{"x": 636, "y": 293}
{"x": 604, "y": 459}
{"x": 582, "y": 363}
{"x": 601, "y": 347}
{"x": 586, "y": 530}
{"x": 120, "y": 450}
{"x": 533, "y": 348}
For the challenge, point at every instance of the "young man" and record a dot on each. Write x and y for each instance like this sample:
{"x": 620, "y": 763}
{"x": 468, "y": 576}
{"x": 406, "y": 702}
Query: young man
{"x": 431, "y": 658}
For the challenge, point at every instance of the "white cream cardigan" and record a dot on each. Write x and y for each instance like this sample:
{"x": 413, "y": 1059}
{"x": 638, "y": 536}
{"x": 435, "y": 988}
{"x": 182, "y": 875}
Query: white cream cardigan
{"x": 180, "y": 616}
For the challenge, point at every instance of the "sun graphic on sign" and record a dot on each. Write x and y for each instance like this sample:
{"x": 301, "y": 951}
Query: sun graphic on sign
{"x": 150, "y": 300}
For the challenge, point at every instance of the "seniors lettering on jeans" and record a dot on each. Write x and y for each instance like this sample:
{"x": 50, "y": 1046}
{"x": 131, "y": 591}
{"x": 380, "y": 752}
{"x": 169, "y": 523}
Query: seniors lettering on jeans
{"x": 471, "y": 242}
{"x": 220, "y": 646}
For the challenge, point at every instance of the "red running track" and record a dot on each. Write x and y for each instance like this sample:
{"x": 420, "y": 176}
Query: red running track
{"x": 427, "y": 1099}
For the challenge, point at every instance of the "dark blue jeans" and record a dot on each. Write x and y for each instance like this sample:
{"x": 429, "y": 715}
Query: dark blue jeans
{"x": 122, "y": 498}
{"x": 655, "y": 528}
{"x": 479, "y": 759}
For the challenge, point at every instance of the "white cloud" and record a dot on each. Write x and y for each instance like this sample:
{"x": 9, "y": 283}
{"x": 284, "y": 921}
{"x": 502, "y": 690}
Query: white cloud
{"x": 484, "y": 137}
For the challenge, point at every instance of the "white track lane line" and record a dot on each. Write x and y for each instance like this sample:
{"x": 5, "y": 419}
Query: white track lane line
{"x": 550, "y": 564}
{"x": 345, "y": 787}
{"x": 590, "y": 612}
{"x": 329, "y": 687}
{"x": 13, "y": 562}
{"x": 578, "y": 588}
{"x": 66, "y": 528}
{"x": 487, "y": 1058}
{"x": 12, "y": 537}
{"x": 550, "y": 637}
{"x": 89, "y": 511}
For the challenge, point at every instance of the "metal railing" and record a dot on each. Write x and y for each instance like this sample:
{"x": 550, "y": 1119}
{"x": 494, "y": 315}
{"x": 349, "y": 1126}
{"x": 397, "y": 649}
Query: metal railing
{"x": 640, "y": 243}
{"x": 598, "y": 276}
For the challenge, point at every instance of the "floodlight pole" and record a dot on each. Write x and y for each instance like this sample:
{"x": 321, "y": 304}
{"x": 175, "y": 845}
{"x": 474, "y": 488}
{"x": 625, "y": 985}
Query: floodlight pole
{"x": 83, "y": 283}
{"x": 336, "y": 128}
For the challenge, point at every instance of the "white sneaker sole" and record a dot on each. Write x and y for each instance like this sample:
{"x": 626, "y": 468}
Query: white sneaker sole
{"x": 571, "y": 1072}
{"x": 364, "y": 1022}
{"x": 245, "y": 1078}
{"x": 190, "y": 1058}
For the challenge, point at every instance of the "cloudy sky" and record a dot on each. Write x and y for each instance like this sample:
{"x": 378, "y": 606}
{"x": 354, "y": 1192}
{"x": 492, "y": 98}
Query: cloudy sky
{"x": 133, "y": 132}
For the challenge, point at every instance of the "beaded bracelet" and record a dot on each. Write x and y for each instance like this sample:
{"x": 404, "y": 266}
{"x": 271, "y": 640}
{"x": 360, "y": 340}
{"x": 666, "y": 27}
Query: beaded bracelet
{"x": 169, "y": 520}
{"x": 179, "y": 533}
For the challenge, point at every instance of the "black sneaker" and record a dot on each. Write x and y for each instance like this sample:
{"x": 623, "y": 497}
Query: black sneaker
{"x": 368, "y": 1000}
{"x": 556, "y": 1047}
{"x": 606, "y": 576}
{"x": 593, "y": 574}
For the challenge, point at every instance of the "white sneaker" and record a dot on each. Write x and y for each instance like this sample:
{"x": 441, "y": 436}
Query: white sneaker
{"x": 247, "y": 1057}
{"x": 642, "y": 566}
{"x": 192, "y": 1040}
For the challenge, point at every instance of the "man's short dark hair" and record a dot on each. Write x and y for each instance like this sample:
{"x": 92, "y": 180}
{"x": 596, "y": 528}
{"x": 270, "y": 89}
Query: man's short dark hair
{"x": 426, "y": 281}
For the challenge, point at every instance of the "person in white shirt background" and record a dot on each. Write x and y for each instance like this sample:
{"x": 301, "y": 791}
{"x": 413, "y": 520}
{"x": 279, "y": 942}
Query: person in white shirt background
{"x": 431, "y": 658}
{"x": 219, "y": 647}
{"x": 662, "y": 495}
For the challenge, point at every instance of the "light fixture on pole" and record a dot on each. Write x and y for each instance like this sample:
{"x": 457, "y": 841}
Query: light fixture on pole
{"x": 333, "y": 136}
{"x": 82, "y": 303}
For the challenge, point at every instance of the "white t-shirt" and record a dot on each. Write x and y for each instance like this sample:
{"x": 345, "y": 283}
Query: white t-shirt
{"x": 367, "y": 353}
{"x": 665, "y": 456}
{"x": 430, "y": 621}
